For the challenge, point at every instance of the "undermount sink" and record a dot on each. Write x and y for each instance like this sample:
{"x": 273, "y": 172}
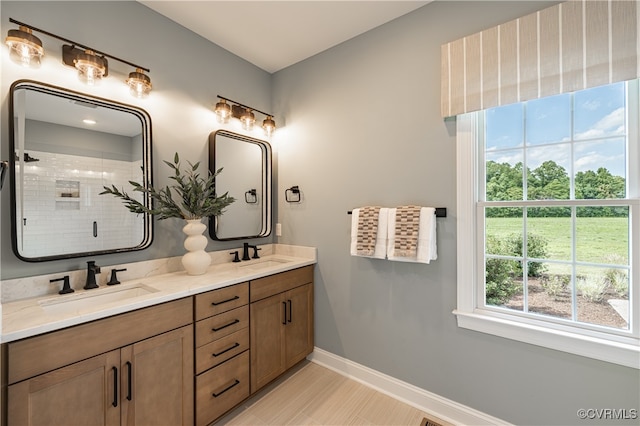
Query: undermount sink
{"x": 264, "y": 264}
{"x": 94, "y": 298}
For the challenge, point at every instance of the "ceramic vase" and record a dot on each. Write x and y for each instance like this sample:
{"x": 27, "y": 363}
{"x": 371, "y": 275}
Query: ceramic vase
{"x": 196, "y": 261}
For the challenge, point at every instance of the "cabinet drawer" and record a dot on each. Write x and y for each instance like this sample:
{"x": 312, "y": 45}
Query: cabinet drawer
{"x": 219, "y": 351}
{"x": 274, "y": 284}
{"x": 39, "y": 354}
{"x": 222, "y": 300}
{"x": 222, "y": 388}
{"x": 218, "y": 326}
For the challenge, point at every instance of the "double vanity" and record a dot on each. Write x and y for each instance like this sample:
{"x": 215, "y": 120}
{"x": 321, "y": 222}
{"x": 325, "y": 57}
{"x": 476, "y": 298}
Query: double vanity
{"x": 159, "y": 349}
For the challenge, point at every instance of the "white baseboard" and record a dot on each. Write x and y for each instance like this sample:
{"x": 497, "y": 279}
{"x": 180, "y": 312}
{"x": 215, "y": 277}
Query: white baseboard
{"x": 421, "y": 399}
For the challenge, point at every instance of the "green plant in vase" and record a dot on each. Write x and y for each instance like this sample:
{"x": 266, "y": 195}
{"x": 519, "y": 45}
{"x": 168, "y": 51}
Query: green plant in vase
{"x": 192, "y": 197}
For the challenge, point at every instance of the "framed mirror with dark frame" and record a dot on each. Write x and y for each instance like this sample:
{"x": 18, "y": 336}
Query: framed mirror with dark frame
{"x": 246, "y": 176}
{"x": 65, "y": 146}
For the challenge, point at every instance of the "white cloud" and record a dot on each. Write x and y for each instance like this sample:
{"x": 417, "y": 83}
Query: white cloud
{"x": 591, "y": 105}
{"x": 611, "y": 124}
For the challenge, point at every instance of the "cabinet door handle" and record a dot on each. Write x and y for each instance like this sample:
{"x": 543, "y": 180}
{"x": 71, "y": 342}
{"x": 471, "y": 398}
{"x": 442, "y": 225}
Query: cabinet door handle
{"x": 115, "y": 386}
{"x": 225, "y": 301}
{"x": 284, "y": 313}
{"x": 129, "y": 371}
{"x": 289, "y": 303}
{"x": 226, "y": 325}
{"x": 235, "y": 345}
{"x": 235, "y": 383}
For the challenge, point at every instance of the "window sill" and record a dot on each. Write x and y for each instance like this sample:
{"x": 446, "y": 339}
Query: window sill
{"x": 626, "y": 354}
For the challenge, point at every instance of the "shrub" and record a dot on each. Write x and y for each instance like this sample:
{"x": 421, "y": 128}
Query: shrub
{"x": 555, "y": 285}
{"x": 618, "y": 278}
{"x": 499, "y": 275}
{"x": 536, "y": 247}
{"x": 592, "y": 287}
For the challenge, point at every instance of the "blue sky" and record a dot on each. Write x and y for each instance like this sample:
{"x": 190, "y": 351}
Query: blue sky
{"x": 599, "y": 129}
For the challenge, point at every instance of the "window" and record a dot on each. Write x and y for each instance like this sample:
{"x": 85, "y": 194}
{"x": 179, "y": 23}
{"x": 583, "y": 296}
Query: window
{"x": 549, "y": 222}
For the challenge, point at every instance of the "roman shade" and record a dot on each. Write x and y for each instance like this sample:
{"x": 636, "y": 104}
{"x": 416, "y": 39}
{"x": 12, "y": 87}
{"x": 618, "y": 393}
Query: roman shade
{"x": 567, "y": 47}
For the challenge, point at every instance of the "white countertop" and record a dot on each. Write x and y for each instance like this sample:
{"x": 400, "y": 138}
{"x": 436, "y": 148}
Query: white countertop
{"x": 30, "y": 317}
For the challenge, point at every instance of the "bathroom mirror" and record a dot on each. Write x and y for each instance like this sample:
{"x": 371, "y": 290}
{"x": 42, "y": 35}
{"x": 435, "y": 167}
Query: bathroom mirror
{"x": 66, "y": 146}
{"x": 246, "y": 176}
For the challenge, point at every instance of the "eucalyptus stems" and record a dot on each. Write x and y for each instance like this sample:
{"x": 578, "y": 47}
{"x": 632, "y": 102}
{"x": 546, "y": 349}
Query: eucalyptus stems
{"x": 196, "y": 195}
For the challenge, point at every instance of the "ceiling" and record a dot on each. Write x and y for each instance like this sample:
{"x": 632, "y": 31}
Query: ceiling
{"x": 275, "y": 34}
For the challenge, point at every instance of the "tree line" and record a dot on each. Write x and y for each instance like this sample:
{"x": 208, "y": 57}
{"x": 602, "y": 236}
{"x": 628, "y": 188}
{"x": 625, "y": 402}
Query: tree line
{"x": 504, "y": 182}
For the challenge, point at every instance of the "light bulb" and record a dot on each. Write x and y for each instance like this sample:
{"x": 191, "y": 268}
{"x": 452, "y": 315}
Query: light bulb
{"x": 247, "y": 119}
{"x": 24, "y": 48}
{"x": 223, "y": 111}
{"x": 139, "y": 83}
{"x": 269, "y": 126}
{"x": 90, "y": 67}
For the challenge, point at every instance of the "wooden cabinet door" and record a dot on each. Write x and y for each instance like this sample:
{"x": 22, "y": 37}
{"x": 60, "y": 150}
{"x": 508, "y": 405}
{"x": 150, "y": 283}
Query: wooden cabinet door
{"x": 82, "y": 394}
{"x": 267, "y": 322}
{"x": 299, "y": 328}
{"x": 157, "y": 380}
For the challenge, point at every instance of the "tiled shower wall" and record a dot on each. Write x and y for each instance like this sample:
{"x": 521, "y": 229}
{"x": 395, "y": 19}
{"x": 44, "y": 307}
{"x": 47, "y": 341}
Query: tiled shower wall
{"x": 61, "y": 197}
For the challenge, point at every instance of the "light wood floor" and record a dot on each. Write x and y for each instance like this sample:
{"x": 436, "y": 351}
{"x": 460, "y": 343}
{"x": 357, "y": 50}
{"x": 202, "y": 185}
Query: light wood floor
{"x": 315, "y": 395}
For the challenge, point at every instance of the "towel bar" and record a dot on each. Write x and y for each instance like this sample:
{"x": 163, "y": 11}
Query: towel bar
{"x": 440, "y": 212}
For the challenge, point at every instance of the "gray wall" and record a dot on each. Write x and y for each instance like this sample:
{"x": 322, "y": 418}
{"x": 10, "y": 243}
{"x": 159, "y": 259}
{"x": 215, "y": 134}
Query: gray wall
{"x": 370, "y": 105}
{"x": 187, "y": 71}
{"x": 364, "y": 128}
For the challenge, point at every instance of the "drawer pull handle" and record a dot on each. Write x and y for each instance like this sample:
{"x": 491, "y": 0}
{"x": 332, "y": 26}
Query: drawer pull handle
{"x": 235, "y": 345}
{"x": 235, "y": 383}
{"x": 226, "y": 325}
{"x": 115, "y": 386}
{"x": 289, "y": 303}
{"x": 225, "y": 301}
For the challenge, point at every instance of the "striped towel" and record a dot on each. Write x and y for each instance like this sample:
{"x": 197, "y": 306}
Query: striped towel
{"x": 367, "y": 230}
{"x": 407, "y": 226}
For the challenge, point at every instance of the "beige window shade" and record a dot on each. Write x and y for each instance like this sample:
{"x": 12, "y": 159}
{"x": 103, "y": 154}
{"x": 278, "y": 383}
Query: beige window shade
{"x": 567, "y": 47}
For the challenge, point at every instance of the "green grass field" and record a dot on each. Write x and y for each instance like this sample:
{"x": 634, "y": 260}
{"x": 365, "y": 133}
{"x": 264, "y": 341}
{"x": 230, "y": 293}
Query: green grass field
{"x": 598, "y": 240}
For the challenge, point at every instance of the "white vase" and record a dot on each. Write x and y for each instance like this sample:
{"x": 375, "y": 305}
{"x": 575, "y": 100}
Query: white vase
{"x": 196, "y": 261}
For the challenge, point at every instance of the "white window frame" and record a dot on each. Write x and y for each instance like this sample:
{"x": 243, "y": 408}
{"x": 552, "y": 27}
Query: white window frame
{"x": 611, "y": 347}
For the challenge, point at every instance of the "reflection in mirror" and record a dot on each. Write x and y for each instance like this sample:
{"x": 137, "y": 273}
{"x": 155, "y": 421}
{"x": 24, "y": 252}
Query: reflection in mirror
{"x": 67, "y": 146}
{"x": 246, "y": 175}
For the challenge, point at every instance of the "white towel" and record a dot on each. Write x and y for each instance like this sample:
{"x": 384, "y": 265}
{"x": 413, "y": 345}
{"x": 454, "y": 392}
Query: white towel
{"x": 427, "y": 249}
{"x": 380, "y": 250}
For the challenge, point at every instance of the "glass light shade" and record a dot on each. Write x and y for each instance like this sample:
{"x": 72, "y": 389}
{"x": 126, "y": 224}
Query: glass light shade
{"x": 223, "y": 111}
{"x": 139, "y": 83}
{"x": 269, "y": 126}
{"x": 91, "y": 68}
{"x": 248, "y": 119}
{"x": 25, "y": 48}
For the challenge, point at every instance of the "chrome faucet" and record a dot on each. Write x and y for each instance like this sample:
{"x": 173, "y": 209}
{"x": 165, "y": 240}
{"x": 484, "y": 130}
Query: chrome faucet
{"x": 92, "y": 270}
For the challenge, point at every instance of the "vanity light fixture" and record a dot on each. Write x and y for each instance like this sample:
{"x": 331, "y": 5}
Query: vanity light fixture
{"x": 269, "y": 125}
{"x": 25, "y": 48}
{"x": 139, "y": 83}
{"x": 91, "y": 64}
{"x": 248, "y": 119}
{"x": 91, "y": 67}
{"x": 227, "y": 108}
{"x": 223, "y": 111}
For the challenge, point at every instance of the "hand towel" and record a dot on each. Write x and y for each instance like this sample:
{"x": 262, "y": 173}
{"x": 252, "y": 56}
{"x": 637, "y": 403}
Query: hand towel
{"x": 377, "y": 247}
{"x": 406, "y": 231}
{"x": 426, "y": 250}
